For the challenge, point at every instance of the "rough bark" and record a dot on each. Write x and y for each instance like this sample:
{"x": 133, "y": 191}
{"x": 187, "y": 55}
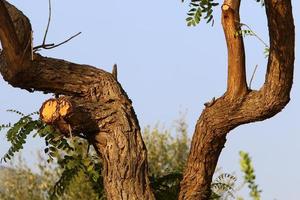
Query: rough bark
{"x": 240, "y": 105}
{"x": 93, "y": 104}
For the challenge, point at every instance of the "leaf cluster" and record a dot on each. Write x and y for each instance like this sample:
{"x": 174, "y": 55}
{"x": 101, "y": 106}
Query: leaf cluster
{"x": 249, "y": 175}
{"x": 71, "y": 155}
{"x": 76, "y": 164}
{"x": 223, "y": 187}
{"x": 244, "y": 32}
{"x": 18, "y": 132}
{"x": 200, "y": 9}
{"x": 166, "y": 187}
{"x": 167, "y": 153}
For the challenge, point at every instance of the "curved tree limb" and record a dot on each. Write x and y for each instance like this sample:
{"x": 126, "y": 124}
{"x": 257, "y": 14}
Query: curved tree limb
{"x": 239, "y": 105}
{"x": 94, "y": 105}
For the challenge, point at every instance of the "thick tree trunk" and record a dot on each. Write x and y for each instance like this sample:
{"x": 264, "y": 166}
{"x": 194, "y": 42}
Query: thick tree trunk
{"x": 240, "y": 105}
{"x": 93, "y": 104}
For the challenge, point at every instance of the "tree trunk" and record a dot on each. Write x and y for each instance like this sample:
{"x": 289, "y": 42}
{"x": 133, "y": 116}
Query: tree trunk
{"x": 93, "y": 104}
{"x": 240, "y": 105}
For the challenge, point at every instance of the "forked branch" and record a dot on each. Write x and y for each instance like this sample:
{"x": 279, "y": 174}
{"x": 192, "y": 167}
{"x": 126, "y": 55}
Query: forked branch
{"x": 239, "y": 105}
{"x": 51, "y": 45}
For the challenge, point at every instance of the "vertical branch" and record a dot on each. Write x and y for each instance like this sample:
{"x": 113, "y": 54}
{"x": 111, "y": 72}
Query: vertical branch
{"x": 48, "y": 23}
{"x": 236, "y": 81}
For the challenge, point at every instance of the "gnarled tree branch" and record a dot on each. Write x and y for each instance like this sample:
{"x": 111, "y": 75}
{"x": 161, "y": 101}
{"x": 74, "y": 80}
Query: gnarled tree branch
{"x": 238, "y": 105}
{"x": 94, "y": 105}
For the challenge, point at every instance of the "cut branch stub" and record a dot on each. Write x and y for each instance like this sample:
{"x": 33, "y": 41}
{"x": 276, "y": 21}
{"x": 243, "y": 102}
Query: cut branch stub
{"x": 54, "y": 109}
{"x": 54, "y": 112}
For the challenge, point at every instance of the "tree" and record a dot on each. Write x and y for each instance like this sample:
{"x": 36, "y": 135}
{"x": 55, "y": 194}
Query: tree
{"x": 167, "y": 154}
{"x": 55, "y": 182}
{"x": 93, "y": 104}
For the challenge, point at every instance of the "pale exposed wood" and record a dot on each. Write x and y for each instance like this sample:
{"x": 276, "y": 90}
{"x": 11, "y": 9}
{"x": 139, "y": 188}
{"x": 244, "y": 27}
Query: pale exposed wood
{"x": 53, "y": 109}
{"x": 48, "y": 111}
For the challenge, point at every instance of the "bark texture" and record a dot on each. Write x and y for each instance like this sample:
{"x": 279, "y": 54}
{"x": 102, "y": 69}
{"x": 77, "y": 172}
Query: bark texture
{"x": 93, "y": 104}
{"x": 239, "y": 105}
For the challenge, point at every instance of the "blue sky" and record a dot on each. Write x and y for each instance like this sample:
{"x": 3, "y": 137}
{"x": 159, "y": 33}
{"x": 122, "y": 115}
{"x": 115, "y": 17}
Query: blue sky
{"x": 167, "y": 67}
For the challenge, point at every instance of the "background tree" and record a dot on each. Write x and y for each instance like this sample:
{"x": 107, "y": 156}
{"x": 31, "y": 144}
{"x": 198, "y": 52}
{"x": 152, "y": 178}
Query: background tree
{"x": 53, "y": 181}
{"x": 167, "y": 154}
{"x": 99, "y": 108}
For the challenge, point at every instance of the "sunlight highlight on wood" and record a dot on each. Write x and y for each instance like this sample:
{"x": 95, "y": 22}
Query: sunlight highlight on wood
{"x": 55, "y": 109}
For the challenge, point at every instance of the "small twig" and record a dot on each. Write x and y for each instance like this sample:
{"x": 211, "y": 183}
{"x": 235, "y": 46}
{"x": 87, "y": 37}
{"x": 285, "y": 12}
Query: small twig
{"x": 70, "y": 132}
{"x": 254, "y": 34}
{"x": 54, "y": 46}
{"x": 51, "y": 45}
{"x": 48, "y": 24}
{"x": 252, "y": 76}
{"x": 42, "y": 46}
{"x": 88, "y": 150}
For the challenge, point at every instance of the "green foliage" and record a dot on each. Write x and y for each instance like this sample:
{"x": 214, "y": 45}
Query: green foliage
{"x": 203, "y": 9}
{"x": 73, "y": 161}
{"x": 79, "y": 163}
{"x": 245, "y": 32}
{"x": 166, "y": 187}
{"x": 18, "y": 133}
{"x": 249, "y": 175}
{"x": 200, "y": 9}
{"x": 249, "y": 32}
{"x": 266, "y": 52}
{"x": 167, "y": 154}
{"x": 56, "y": 143}
{"x": 77, "y": 174}
{"x": 18, "y": 182}
{"x": 223, "y": 186}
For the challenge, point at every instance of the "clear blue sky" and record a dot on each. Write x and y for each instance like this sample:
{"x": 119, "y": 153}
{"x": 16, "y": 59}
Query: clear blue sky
{"x": 167, "y": 67}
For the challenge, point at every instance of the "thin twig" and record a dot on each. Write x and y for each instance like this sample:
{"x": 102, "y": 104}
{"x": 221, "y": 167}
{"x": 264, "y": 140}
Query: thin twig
{"x": 252, "y": 76}
{"x": 49, "y": 46}
{"x": 42, "y": 46}
{"x": 88, "y": 150}
{"x": 70, "y": 132}
{"x": 265, "y": 44}
{"x": 52, "y": 45}
{"x": 48, "y": 24}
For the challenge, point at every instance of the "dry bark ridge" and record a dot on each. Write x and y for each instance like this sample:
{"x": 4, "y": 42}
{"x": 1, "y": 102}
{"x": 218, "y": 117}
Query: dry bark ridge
{"x": 94, "y": 103}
